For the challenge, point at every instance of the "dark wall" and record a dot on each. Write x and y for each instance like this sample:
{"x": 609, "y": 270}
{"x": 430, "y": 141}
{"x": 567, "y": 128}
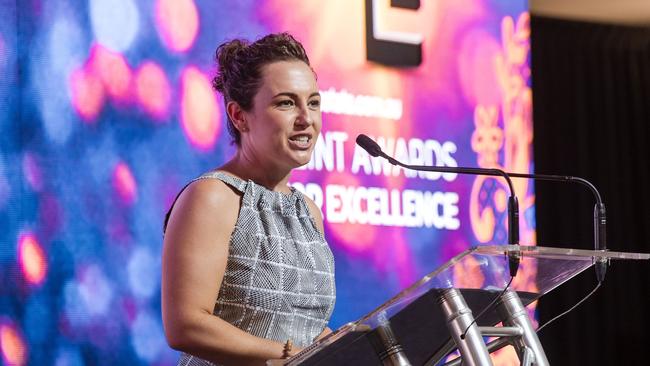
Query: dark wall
{"x": 591, "y": 97}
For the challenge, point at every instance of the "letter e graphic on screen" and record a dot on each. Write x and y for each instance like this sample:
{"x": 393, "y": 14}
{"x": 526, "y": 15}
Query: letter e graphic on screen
{"x": 391, "y": 47}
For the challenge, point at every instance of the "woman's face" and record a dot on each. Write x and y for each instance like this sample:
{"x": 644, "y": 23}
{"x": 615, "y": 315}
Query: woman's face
{"x": 285, "y": 120}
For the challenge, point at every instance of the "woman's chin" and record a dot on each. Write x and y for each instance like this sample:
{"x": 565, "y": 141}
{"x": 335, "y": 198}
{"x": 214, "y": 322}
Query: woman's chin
{"x": 301, "y": 158}
{"x": 300, "y": 163}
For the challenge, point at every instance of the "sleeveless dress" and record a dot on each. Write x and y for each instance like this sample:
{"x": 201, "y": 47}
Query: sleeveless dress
{"x": 279, "y": 278}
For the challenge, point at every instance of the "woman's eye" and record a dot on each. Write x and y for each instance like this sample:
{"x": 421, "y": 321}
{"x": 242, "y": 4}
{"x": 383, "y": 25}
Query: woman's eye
{"x": 285, "y": 103}
{"x": 314, "y": 103}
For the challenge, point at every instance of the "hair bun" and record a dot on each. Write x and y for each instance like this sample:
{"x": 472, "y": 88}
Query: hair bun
{"x": 227, "y": 56}
{"x": 239, "y": 67}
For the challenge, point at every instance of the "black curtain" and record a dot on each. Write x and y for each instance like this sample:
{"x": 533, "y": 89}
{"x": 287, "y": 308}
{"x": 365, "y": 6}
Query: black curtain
{"x": 591, "y": 100}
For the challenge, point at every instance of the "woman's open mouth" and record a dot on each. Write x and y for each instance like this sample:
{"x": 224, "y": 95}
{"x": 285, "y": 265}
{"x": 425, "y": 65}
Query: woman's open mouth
{"x": 302, "y": 142}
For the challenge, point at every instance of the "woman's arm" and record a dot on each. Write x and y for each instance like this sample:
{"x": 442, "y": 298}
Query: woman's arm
{"x": 194, "y": 260}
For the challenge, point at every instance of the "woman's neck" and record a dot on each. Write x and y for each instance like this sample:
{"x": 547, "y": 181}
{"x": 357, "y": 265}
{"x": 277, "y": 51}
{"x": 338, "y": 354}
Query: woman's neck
{"x": 246, "y": 168}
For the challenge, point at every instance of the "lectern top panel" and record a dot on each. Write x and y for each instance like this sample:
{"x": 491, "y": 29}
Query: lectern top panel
{"x": 480, "y": 273}
{"x": 558, "y": 253}
{"x": 486, "y": 268}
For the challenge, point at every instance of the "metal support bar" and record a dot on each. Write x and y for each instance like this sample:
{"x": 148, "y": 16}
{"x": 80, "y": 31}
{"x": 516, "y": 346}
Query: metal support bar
{"x": 442, "y": 353}
{"x": 393, "y": 354}
{"x": 528, "y": 358}
{"x": 517, "y": 330}
{"x": 455, "y": 362}
{"x": 492, "y": 346}
{"x": 498, "y": 343}
{"x": 501, "y": 331}
{"x": 388, "y": 348}
{"x": 459, "y": 318}
{"x": 514, "y": 314}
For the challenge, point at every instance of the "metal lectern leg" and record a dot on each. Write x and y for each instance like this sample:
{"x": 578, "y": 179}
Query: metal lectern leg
{"x": 459, "y": 316}
{"x": 393, "y": 354}
{"x": 527, "y": 345}
{"x": 386, "y": 345}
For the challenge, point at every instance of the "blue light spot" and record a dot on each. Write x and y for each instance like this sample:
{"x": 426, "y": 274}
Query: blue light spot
{"x": 147, "y": 337}
{"x": 143, "y": 272}
{"x": 115, "y": 23}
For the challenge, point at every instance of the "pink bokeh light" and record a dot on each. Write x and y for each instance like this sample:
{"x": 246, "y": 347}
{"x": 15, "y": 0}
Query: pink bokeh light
{"x": 178, "y": 23}
{"x": 124, "y": 183}
{"x": 200, "y": 115}
{"x": 32, "y": 258}
{"x": 476, "y": 65}
{"x": 112, "y": 69}
{"x": 87, "y": 93}
{"x": 152, "y": 89}
{"x": 14, "y": 349}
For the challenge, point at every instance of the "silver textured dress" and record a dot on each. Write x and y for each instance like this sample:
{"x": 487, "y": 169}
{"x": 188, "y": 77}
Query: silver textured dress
{"x": 279, "y": 279}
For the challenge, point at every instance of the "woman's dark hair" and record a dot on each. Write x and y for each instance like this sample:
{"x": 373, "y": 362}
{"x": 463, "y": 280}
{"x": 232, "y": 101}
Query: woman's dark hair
{"x": 239, "y": 74}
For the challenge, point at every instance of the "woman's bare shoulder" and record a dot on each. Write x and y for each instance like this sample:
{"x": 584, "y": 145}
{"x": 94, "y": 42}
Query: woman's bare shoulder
{"x": 211, "y": 191}
{"x": 210, "y": 199}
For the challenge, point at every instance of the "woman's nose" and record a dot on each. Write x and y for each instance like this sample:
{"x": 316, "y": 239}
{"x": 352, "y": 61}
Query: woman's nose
{"x": 304, "y": 116}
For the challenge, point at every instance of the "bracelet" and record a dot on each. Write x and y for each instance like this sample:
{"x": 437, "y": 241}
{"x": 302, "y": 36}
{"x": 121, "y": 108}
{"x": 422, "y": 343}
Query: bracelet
{"x": 286, "y": 352}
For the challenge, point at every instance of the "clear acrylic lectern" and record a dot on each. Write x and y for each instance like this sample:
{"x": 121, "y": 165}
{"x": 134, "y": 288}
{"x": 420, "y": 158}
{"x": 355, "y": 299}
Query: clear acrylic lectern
{"x": 424, "y": 323}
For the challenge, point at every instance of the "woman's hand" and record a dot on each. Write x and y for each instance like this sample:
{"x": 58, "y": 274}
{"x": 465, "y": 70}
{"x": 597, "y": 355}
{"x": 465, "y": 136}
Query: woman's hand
{"x": 327, "y": 331}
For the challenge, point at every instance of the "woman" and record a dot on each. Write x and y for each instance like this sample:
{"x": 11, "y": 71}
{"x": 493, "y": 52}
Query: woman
{"x": 246, "y": 269}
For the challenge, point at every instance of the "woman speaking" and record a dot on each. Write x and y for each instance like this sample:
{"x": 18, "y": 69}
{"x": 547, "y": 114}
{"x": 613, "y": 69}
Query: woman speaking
{"x": 247, "y": 275}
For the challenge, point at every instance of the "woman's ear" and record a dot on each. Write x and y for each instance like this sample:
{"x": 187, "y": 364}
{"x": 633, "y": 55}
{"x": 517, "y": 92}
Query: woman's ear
{"x": 237, "y": 115}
